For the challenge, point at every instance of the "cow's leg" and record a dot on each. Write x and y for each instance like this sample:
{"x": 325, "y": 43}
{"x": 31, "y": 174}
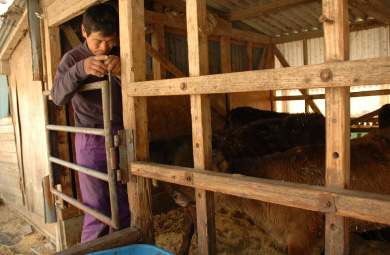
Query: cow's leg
{"x": 188, "y": 229}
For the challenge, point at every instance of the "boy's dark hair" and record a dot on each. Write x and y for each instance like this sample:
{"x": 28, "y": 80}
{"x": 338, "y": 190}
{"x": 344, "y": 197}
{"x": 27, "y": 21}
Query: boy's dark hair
{"x": 103, "y": 18}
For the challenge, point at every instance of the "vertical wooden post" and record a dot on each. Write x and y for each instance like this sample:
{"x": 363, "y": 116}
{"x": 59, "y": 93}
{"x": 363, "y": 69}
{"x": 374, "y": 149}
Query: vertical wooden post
{"x": 158, "y": 42}
{"x": 53, "y": 56}
{"x": 53, "y": 51}
{"x": 226, "y": 64}
{"x": 35, "y": 36}
{"x": 336, "y": 34}
{"x": 305, "y": 62}
{"x": 249, "y": 55}
{"x": 201, "y": 121}
{"x": 271, "y": 65}
{"x": 132, "y": 40}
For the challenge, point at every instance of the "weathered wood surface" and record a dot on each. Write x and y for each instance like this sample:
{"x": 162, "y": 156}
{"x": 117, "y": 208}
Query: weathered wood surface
{"x": 8, "y": 168}
{"x": 337, "y": 107}
{"x": 59, "y": 12}
{"x": 163, "y": 61}
{"x": 201, "y": 122}
{"x": 8, "y": 157}
{"x": 345, "y": 73}
{"x": 131, "y": 20}
{"x": 322, "y": 96}
{"x": 14, "y": 37}
{"x": 115, "y": 240}
{"x": 158, "y": 42}
{"x": 70, "y": 35}
{"x": 52, "y": 51}
{"x": 19, "y": 196}
{"x": 349, "y": 203}
{"x": 31, "y": 116}
{"x": 263, "y": 9}
{"x": 221, "y": 30}
{"x": 10, "y": 181}
{"x": 304, "y": 92}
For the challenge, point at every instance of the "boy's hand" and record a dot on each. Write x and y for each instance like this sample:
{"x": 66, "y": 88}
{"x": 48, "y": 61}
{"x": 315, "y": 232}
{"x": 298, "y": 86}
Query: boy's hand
{"x": 113, "y": 63}
{"x": 95, "y": 65}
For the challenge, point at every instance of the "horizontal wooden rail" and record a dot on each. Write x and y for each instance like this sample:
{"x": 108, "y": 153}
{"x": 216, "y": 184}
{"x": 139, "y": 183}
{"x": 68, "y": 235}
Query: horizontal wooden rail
{"x": 322, "y": 96}
{"x": 117, "y": 239}
{"x": 349, "y": 203}
{"x": 335, "y": 74}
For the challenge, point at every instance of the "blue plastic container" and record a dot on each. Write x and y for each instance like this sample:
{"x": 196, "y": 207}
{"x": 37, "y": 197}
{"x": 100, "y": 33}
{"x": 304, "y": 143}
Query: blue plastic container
{"x": 135, "y": 249}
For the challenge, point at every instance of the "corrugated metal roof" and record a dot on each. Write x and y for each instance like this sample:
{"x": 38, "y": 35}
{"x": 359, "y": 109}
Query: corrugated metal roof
{"x": 10, "y": 20}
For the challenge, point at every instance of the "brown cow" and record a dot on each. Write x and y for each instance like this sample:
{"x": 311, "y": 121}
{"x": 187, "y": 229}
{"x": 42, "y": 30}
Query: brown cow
{"x": 300, "y": 229}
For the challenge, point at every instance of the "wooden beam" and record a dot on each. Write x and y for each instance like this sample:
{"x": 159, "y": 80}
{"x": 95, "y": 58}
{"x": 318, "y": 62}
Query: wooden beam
{"x": 70, "y": 35}
{"x": 53, "y": 51}
{"x": 132, "y": 41}
{"x": 374, "y": 8}
{"x": 263, "y": 9}
{"x": 35, "y": 39}
{"x": 249, "y": 55}
{"x": 337, "y": 103}
{"x": 53, "y": 57}
{"x": 304, "y": 92}
{"x": 365, "y": 117}
{"x": 322, "y": 96}
{"x": 4, "y": 67}
{"x": 152, "y": 17}
{"x": 180, "y": 5}
{"x": 349, "y": 203}
{"x": 161, "y": 59}
{"x": 14, "y": 38}
{"x": 201, "y": 122}
{"x": 226, "y": 64}
{"x": 344, "y": 73}
{"x": 263, "y": 58}
{"x": 58, "y": 12}
{"x": 320, "y": 32}
{"x": 305, "y": 54}
{"x": 114, "y": 240}
{"x": 226, "y": 58}
{"x": 158, "y": 42}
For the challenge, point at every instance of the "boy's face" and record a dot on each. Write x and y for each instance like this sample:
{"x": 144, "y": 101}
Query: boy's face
{"x": 98, "y": 44}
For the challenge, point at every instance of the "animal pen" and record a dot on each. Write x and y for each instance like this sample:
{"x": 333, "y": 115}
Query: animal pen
{"x": 336, "y": 75}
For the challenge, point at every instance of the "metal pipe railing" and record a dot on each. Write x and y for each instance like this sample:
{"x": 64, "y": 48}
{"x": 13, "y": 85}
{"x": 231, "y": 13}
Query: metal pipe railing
{"x": 110, "y": 177}
{"x": 83, "y": 207}
{"x": 91, "y": 131}
{"x": 84, "y": 170}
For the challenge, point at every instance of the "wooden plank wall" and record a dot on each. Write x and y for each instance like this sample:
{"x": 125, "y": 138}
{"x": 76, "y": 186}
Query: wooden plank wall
{"x": 10, "y": 181}
{"x": 33, "y": 143}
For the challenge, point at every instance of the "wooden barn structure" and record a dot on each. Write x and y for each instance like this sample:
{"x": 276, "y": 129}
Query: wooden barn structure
{"x": 166, "y": 94}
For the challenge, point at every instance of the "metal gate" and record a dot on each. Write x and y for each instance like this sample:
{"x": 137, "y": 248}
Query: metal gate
{"x": 110, "y": 177}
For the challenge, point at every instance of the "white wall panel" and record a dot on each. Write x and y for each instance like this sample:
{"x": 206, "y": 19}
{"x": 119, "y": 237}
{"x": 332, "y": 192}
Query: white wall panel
{"x": 370, "y": 43}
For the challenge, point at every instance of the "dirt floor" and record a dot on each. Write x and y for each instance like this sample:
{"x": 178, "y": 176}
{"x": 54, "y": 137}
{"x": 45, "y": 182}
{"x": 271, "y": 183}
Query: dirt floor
{"x": 18, "y": 237}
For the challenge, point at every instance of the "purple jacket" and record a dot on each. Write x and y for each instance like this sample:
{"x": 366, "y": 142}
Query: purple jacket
{"x": 88, "y": 104}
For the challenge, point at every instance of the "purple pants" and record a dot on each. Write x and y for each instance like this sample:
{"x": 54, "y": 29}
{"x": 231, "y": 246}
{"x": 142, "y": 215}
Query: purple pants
{"x": 91, "y": 153}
